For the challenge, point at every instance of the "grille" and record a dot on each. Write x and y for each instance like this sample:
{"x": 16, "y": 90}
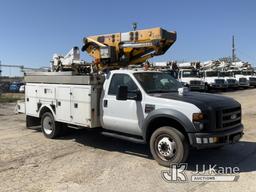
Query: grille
{"x": 252, "y": 79}
{"x": 219, "y": 81}
{"x": 231, "y": 81}
{"x": 194, "y": 82}
{"x": 242, "y": 79}
{"x": 229, "y": 118}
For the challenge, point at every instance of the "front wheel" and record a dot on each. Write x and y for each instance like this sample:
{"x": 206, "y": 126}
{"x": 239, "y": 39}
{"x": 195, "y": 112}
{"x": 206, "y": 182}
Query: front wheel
{"x": 169, "y": 146}
{"x": 50, "y": 128}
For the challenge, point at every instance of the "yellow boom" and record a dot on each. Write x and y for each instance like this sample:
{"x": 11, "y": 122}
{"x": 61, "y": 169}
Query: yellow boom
{"x": 121, "y": 49}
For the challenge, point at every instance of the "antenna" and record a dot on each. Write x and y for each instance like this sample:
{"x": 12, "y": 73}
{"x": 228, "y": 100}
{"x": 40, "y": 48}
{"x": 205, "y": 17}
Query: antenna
{"x": 233, "y": 49}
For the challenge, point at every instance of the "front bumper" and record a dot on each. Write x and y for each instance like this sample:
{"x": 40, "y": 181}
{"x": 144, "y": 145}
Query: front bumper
{"x": 219, "y": 86}
{"x": 244, "y": 85}
{"x": 252, "y": 83}
{"x": 197, "y": 87}
{"x": 232, "y": 85}
{"x": 220, "y": 138}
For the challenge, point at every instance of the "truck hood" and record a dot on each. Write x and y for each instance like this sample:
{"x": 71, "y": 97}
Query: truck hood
{"x": 203, "y": 101}
{"x": 188, "y": 79}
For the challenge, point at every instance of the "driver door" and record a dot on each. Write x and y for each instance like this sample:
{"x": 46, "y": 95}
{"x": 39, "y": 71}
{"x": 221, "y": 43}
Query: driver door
{"x": 121, "y": 116}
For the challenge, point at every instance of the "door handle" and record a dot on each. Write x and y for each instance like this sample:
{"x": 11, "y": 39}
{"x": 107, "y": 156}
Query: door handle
{"x": 105, "y": 103}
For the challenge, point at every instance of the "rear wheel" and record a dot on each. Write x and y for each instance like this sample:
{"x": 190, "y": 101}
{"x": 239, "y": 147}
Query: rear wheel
{"x": 50, "y": 128}
{"x": 169, "y": 146}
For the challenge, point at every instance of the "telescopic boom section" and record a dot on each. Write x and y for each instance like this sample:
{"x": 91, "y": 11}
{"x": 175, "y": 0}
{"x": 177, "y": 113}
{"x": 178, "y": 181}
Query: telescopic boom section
{"x": 121, "y": 49}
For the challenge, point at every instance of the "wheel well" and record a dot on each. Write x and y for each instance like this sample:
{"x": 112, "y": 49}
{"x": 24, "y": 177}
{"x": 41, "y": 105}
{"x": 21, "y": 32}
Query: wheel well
{"x": 163, "y": 121}
{"x": 44, "y": 110}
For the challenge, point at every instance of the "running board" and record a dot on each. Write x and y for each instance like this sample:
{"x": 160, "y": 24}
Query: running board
{"x": 123, "y": 137}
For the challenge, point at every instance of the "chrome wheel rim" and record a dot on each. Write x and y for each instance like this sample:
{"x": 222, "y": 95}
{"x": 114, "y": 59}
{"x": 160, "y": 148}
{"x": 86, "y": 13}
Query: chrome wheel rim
{"x": 48, "y": 125}
{"x": 166, "y": 148}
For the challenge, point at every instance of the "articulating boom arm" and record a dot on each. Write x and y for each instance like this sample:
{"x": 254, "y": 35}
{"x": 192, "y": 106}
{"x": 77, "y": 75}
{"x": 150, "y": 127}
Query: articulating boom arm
{"x": 121, "y": 49}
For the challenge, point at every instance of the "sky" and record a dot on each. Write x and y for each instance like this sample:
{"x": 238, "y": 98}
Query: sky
{"x": 31, "y": 31}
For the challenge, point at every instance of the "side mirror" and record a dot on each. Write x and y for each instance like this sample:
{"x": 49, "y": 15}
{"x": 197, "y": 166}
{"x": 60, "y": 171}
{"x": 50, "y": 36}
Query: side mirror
{"x": 138, "y": 96}
{"x": 122, "y": 93}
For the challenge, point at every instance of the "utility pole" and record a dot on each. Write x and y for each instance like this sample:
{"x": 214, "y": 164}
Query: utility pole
{"x": 233, "y": 49}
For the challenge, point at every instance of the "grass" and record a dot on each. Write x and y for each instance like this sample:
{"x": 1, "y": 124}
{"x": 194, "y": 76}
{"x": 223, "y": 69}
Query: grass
{"x": 10, "y": 97}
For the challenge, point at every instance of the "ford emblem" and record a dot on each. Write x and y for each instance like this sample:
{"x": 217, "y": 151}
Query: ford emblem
{"x": 233, "y": 116}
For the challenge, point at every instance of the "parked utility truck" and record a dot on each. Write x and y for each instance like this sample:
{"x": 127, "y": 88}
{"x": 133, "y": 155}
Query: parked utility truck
{"x": 190, "y": 77}
{"x": 243, "y": 81}
{"x": 213, "y": 81}
{"x": 249, "y": 74}
{"x": 229, "y": 78}
{"x": 141, "y": 106}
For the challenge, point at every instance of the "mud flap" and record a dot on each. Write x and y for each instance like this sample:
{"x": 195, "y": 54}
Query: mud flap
{"x": 32, "y": 121}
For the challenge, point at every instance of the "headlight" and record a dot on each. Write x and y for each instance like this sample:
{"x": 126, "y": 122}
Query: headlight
{"x": 198, "y": 120}
{"x": 198, "y": 116}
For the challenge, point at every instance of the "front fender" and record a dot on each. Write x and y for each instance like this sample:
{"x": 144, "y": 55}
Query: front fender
{"x": 168, "y": 113}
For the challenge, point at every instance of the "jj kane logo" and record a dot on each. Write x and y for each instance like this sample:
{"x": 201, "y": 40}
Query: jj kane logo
{"x": 203, "y": 173}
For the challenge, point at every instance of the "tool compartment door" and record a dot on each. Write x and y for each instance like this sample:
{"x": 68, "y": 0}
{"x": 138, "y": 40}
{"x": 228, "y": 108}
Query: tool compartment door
{"x": 31, "y": 100}
{"x": 63, "y": 104}
{"x": 81, "y": 105}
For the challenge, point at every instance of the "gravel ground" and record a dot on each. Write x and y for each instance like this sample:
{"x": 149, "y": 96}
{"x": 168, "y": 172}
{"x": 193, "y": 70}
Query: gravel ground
{"x": 86, "y": 161}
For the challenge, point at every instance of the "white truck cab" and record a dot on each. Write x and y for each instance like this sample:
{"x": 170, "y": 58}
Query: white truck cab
{"x": 243, "y": 81}
{"x": 213, "y": 81}
{"x": 250, "y": 76}
{"x": 229, "y": 78}
{"x": 191, "y": 78}
{"x": 139, "y": 106}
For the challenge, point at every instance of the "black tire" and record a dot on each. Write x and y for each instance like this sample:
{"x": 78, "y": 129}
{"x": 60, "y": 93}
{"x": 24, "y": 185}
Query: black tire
{"x": 49, "y": 127}
{"x": 169, "y": 146}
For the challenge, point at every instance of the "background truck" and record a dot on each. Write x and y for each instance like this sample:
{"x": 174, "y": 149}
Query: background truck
{"x": 15, "y": 86}
{"x": 191, "y": 79}
{"x": 249, "y": 74}
{"x": 243, "y": 81}
{"x": 229, "y": 78}
{"x": 148, "y": 107}
{"x": 213, "y": 81}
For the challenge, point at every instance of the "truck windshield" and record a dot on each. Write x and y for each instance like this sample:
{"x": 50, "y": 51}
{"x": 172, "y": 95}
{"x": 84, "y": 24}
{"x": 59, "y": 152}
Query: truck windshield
{"x": 211, "y": 74}
{"x": 157, "y": 82}
{"x": 190, "y": 74}
{"x": 237, "y": 72}
{"x": 247, "y": 72}
{"x": 225, "y": 74}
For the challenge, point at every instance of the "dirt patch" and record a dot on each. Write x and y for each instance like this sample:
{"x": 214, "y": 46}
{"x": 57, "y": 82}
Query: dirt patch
{"x": 85, "y": 161}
